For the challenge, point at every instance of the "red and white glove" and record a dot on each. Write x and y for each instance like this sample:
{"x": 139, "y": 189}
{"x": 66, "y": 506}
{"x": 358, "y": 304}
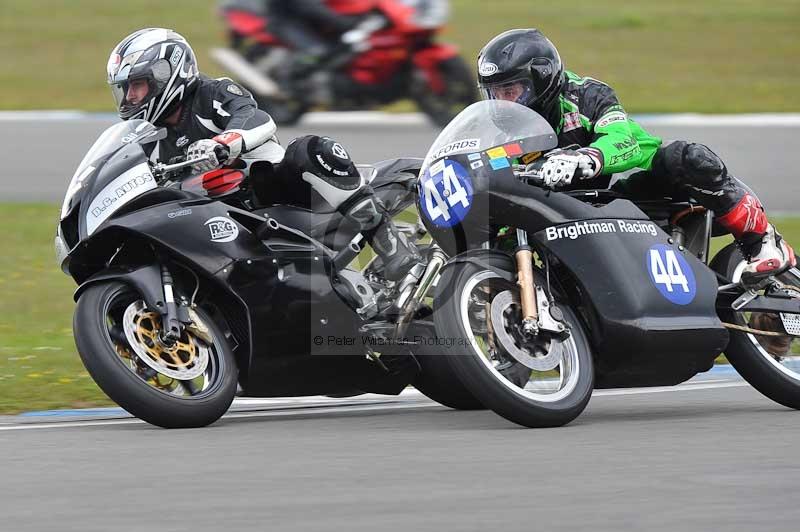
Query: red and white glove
{"x": 562, "y": 166}
{"x": 224, "y": 147}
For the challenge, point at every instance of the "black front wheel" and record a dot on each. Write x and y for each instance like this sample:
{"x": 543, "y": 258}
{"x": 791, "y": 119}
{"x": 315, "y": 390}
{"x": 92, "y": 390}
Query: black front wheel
{"x": 539, "y": 380}
{"x": 437, "y": 379}
{"x": 190, "y": 383}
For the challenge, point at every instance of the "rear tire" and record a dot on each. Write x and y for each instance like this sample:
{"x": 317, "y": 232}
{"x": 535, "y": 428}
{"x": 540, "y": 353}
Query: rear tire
{"x": 775, "y": 379}
{"x": 134, "y": 389}
{"x": 509, "y": 393}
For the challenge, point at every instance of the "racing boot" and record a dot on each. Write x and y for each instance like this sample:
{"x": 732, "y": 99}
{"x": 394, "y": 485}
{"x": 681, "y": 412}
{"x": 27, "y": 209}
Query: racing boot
{"x": 398, "y": 254}
{"x": 767, "y": 255}
{"x": 766, "y": 252}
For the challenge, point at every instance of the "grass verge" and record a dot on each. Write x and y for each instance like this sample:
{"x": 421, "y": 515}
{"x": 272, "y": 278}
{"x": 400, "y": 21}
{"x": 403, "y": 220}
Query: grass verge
{"x": 39, "y": 366}
{"x": 723, "y": 56}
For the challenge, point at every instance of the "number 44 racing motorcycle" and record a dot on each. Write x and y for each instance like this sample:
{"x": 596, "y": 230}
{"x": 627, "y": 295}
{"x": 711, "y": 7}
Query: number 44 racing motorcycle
{"x": 548, "y": 295}
{"x": 184, "y": 297}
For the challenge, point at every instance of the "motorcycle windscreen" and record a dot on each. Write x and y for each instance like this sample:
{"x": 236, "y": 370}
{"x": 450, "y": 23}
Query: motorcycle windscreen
{"x": 109, "y": 141}
{"x": 476, "y": 151}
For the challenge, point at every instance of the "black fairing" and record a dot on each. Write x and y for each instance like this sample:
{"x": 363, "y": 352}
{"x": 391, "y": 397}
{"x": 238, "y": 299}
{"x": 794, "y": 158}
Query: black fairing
{"x": 639, "y": 337}
{"x": 278, "y": 295}
{"x": 274, "y": 288}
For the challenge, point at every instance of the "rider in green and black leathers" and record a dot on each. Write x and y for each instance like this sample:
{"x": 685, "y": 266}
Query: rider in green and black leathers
{"x": 597, "y": 139}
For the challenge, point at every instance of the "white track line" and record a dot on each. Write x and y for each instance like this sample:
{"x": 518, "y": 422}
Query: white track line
{"x": 662, "y": 389}
{"x": 410, "y": 401}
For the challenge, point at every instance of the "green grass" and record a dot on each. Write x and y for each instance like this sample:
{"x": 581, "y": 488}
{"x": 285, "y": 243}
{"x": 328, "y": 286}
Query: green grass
{"x": 39, "y": 366}
{"x": 716, "y": 56}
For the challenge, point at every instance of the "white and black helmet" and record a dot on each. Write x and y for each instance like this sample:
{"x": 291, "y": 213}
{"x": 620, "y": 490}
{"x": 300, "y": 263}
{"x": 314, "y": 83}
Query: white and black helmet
{"x": 165, "y": 60}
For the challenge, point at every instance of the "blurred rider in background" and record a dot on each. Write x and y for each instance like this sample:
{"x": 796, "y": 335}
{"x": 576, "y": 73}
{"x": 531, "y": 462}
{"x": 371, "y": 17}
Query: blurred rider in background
{"x": 153, "y": 76}
{"x": 310, "y": 27}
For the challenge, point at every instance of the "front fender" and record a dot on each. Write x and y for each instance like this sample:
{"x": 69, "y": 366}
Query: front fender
{"x": 480, "y": 257}
{"x": 145, "y": 279}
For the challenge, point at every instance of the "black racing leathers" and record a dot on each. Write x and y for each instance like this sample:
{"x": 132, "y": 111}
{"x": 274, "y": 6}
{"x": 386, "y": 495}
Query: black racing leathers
{"x": 217, "y": 106}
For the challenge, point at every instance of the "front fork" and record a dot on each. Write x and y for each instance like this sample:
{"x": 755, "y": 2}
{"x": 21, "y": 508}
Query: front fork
{"x": 526, "y": 282}
{"x": 538, "y": 312}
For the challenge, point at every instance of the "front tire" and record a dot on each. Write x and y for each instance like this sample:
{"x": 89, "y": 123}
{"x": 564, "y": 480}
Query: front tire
{"x": 777, "y": 376}
{"x": 159, "y": 396}
{"x": 516, "y": 387}
{"x": 437, "y": 380}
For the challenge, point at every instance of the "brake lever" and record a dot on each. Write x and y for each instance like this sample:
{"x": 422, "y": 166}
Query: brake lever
{"x": 530, "y": 177}
{"x": 162, "y": 170}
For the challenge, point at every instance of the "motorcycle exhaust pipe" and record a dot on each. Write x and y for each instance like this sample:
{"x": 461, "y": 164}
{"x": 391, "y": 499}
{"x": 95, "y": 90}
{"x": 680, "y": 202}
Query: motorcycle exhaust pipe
{"x": 244, "y": 72}
{"x": 407, "y": 309}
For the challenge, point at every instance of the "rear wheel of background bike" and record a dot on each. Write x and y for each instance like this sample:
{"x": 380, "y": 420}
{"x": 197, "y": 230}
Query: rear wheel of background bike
{"x": 771, "y": 364}
{"x": 543, "y": 380}
{"x": 459, "y": 91}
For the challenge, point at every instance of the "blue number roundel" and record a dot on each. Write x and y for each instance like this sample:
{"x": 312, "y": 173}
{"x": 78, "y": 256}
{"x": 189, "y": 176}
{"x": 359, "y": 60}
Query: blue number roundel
{"x": 445, "y": 193}
{"x": 671, "y": 274}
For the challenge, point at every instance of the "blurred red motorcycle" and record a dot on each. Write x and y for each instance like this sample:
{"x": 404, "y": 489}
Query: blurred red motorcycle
{"x": 391, "y": 55}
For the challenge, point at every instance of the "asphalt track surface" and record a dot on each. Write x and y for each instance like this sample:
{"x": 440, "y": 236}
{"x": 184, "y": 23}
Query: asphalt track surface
{"x": 712, "y": 454}
{"x": 707, "y": 455}
{"x": 42, "y": 153}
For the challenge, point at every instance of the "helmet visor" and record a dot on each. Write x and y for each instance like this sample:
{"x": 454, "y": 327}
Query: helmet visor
{"x": 135, "y": 96}
{"x": 517, "y": 90}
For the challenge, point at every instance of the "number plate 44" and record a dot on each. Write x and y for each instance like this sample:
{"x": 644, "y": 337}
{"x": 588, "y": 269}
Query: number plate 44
{"x": 446, "y": 193}
{"x": 671, "y": 274}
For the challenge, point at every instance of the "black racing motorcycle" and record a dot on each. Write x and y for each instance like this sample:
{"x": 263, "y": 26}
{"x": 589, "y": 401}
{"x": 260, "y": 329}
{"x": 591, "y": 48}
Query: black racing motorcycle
{"x": 551, "y": 294}
{"x": 185, "y": 298}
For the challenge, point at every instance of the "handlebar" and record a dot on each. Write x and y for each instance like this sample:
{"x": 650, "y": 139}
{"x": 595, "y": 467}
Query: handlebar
{"x": 161, "y": 170}
{"x": 531, "y": 173}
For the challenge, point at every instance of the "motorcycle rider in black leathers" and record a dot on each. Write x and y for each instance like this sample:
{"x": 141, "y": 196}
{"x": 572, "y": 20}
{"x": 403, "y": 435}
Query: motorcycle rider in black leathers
{"x": 153, "y": 76}
{"x": 597, "y": 139}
